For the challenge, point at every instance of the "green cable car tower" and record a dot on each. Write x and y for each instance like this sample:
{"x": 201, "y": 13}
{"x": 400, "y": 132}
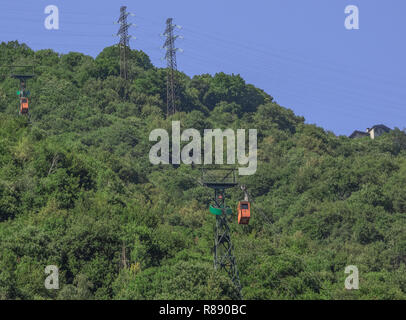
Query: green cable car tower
{"x": 23, "y": 73}
{"x": 220, "y": 180}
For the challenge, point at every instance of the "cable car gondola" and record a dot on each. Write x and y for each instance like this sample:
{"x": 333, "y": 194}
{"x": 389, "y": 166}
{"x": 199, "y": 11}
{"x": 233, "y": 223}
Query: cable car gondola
{"x": 244, "y": 212}
{"x": 23, "y": 105}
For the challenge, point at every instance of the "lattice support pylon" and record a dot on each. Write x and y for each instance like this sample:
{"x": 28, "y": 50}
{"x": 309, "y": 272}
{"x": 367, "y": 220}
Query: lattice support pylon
{"x": 224, "y": 258}
{"x": 171, "y": 64}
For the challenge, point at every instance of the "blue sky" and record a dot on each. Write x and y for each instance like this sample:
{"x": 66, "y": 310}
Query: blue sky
{"x": 296, "y": 50}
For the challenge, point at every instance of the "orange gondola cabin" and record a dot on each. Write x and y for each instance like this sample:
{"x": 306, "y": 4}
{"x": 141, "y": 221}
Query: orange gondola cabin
{"x": 244, "y": 212}
{"x": 23, "y": 106}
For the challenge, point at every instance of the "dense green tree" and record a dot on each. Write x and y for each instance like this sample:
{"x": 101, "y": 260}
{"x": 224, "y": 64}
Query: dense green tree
{"x": 77, "y": 190}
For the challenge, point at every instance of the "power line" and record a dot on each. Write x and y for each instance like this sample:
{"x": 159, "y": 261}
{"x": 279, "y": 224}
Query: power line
{"x": 371, "y": 98}
{"x": 278, "y": 53}
{"x": 312, "y": 86}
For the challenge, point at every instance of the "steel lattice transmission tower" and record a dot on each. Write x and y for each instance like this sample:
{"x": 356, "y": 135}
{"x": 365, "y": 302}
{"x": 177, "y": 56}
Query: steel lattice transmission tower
{"x": 171, "y": 83}
{"x": 124, "y": 43}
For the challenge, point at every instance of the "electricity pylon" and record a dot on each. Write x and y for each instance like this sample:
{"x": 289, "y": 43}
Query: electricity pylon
{"x": 170, "y": 56}
{"x": 124, "y": 43}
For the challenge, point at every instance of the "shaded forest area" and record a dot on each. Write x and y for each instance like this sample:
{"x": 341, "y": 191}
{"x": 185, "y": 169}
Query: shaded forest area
{"x": 76, "y": 185}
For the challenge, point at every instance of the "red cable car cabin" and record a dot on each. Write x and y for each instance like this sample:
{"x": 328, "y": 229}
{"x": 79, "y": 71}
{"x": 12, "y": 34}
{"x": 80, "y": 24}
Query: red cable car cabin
{"x": 244, "y": 212}
{"x": 23, "y": 106}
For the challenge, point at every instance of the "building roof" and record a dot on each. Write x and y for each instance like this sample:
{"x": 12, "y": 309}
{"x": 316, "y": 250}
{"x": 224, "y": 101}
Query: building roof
{"x": 359, "y": 133}
{"x": 381, "y": 126}
{"x": 366, "y": 133}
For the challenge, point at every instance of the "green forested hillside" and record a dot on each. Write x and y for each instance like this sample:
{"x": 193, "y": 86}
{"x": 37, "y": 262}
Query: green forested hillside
{"x": 76, "y": 185}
